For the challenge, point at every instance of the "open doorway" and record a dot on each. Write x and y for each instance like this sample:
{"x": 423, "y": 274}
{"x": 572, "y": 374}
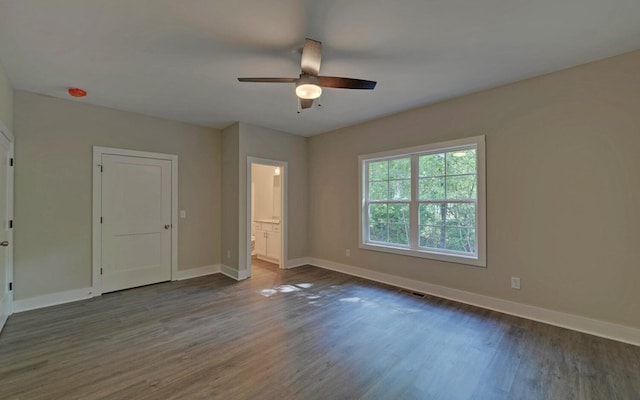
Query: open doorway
{"x": 266, "y": 215}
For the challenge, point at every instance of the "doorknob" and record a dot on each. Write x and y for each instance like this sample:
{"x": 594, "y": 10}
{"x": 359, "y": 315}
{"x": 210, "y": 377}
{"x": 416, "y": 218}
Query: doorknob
{"x": 4, "y": 244}
{"x": 167, "y": 226}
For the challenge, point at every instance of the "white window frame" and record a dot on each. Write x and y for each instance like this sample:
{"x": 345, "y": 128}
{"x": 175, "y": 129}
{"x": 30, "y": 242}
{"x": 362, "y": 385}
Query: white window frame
{"x": 480, "y": 258}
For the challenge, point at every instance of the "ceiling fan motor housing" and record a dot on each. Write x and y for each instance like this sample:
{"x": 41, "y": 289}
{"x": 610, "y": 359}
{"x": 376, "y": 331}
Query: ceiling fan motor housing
{"x": 308, "y": 87}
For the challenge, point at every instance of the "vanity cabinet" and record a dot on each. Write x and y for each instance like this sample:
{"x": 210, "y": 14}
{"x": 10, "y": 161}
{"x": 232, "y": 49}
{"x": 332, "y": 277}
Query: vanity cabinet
{"x": 268, "y": 241}
{"x": 261, "y": 242}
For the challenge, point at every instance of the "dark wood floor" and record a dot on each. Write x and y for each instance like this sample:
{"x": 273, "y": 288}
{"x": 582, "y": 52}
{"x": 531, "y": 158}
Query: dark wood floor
{"x": 305, "y": 333}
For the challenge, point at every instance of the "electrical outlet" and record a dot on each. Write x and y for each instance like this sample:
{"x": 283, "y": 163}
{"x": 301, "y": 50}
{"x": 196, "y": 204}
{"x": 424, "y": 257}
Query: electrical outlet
{"x": 183, "y": 213}
{"x": 348, "y": 252}
{"x": 515, "y": 282}
{"x": 228, "y": 253}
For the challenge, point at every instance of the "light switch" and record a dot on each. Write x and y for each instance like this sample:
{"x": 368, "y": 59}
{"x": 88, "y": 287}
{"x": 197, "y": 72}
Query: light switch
{"x": 183, "y": 213}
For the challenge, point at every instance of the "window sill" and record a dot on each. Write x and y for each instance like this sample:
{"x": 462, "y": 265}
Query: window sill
{"x": 458, "y": 259}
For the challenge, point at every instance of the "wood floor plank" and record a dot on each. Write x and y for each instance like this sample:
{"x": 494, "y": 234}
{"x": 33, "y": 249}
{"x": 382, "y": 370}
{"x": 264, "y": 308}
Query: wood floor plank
{"x": 305, "y": 333}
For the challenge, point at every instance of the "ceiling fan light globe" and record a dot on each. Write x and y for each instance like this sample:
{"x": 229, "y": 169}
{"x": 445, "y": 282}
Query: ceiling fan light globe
{"x": 308, "y": 91}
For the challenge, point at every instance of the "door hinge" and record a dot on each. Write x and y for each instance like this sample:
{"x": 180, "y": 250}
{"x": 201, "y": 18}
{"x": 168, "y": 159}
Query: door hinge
{"x": 11, "y": 162}
{"x": 10, "y": 224}
{"x": 10, "y": 286}
{"x": 100, "y": 219}
{"x": 100, "y": 271}
{"x": 100, "y": 165}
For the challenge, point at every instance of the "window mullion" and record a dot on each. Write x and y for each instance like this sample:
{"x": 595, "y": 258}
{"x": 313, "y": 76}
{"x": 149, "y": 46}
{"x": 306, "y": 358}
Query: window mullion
{"x": 413, "y": 207}
{"x": 365, "y": 210}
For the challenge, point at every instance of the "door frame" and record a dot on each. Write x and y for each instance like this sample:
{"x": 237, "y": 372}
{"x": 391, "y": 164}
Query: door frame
{"x": 4, "y": 131}
{"x": 284, "y": 174}
{"x": 98, "y": 152}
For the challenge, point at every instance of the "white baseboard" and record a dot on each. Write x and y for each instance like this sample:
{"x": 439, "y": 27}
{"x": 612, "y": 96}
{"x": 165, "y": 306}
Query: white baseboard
{"x": 6, "y": 306}
{"x": 3, "y": 320}
{"x": 242, "y": 275}
{"x": 234, "y": 273}
{"x": 85, "y": 293}
{"x": 52, "y": 299}
{"x": 228, "y": 271}
{"x": 196, "y": 272}
{"x": 297, "y": 262}
{"x": 574, "y": 322}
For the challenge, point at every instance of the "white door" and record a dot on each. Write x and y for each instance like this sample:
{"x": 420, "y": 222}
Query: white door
{"x": 6, "y": 238}
{"x": 136, "y": 221}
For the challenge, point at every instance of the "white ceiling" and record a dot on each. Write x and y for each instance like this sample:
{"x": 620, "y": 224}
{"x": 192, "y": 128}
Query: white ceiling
{"x": 180, "y": 59}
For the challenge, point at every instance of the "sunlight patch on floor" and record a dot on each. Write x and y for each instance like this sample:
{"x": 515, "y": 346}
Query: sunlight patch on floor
{"x": 296, "y": 287}
{"x": 304, "y": 285}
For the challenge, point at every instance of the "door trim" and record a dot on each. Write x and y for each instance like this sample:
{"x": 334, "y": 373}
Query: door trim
{"x": 10, "y": 183}
{"x": 98, "y": 152}
{"x": 284, "y": 218}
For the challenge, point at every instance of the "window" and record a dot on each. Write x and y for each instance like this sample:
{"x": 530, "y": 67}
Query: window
{"x": 426, "y": 201}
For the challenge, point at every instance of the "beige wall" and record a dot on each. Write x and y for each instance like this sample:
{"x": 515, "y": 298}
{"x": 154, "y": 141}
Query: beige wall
{"x": 230, "y": 195}
{"x": 273, "y": 145}
{"x": 241, "y": 141}
{"x": 6, "y": 100}
{"x": 54, "y": 140}
{"x": 563, "y": 184}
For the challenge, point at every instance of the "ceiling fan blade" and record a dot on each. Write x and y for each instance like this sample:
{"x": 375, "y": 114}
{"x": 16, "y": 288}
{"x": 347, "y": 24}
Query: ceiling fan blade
{"x": 311, "y": 57}
{"x": 306, "y": 103}
{"x": 345, "y": 83}
{"x": 269, "y": 80}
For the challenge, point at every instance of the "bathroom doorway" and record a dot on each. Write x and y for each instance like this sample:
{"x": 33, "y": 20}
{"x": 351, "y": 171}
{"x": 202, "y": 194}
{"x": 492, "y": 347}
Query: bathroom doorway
{"x": 266, "y": 215}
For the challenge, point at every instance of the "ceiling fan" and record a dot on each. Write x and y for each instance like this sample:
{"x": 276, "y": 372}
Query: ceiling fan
{"x": 309, "y": 85}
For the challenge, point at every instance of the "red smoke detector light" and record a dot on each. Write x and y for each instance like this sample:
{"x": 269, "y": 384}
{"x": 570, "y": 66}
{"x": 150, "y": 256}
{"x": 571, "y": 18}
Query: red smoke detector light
{"x": 77, "y": 92}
